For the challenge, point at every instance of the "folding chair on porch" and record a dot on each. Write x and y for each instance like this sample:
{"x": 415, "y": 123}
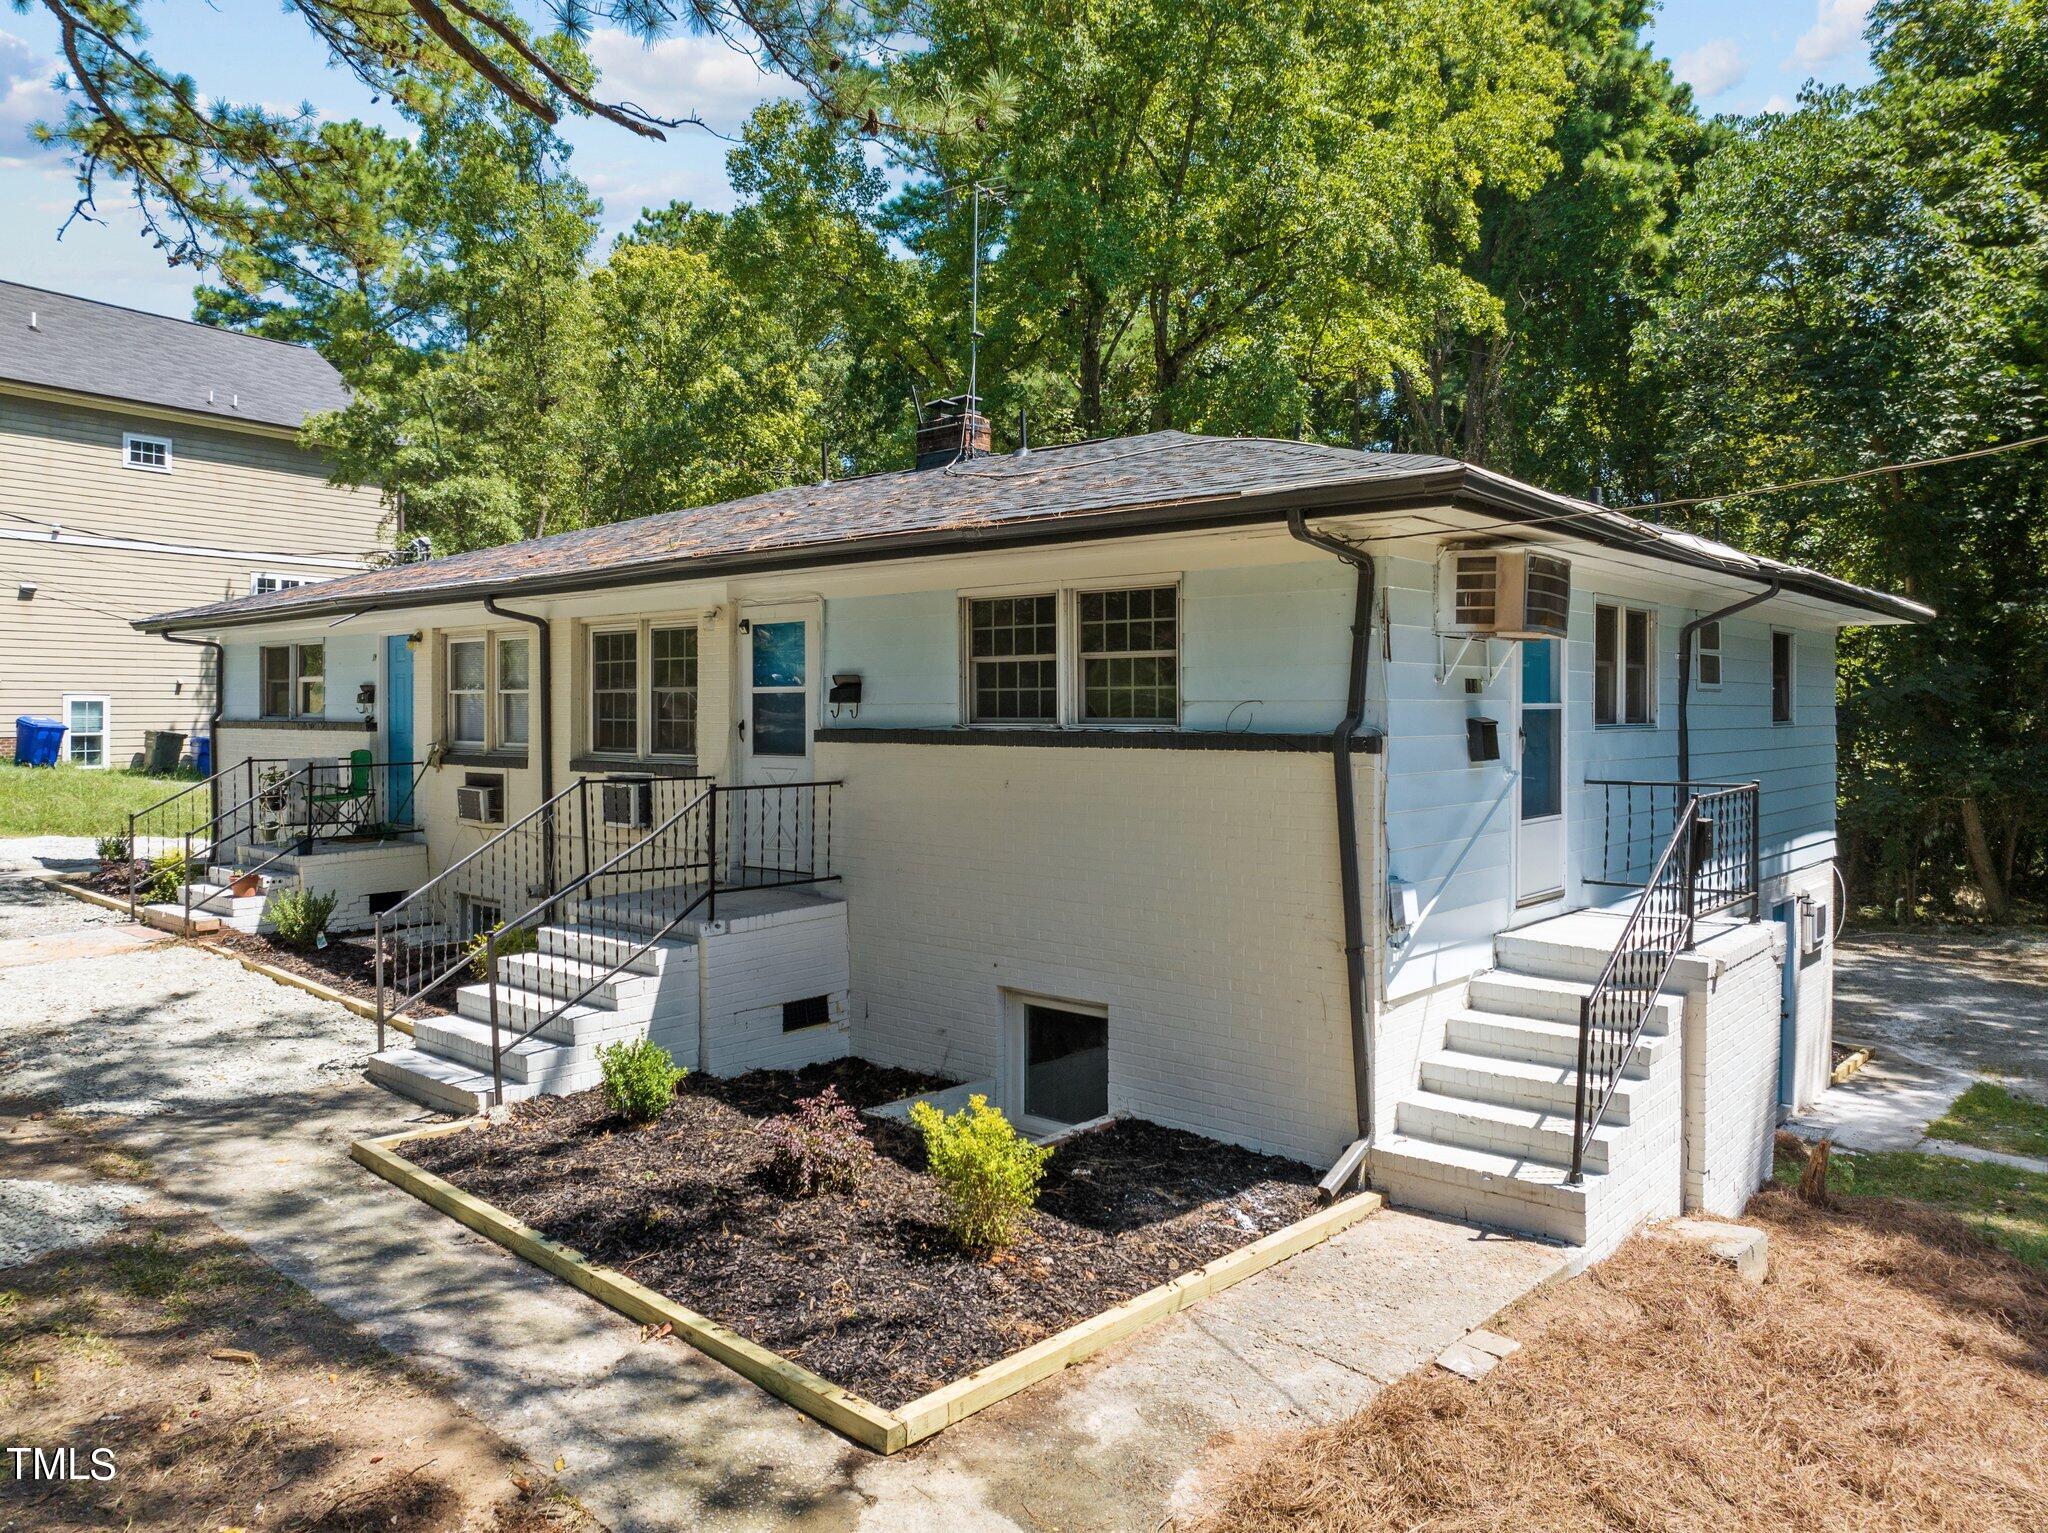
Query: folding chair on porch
{"x": 348, "y": 809}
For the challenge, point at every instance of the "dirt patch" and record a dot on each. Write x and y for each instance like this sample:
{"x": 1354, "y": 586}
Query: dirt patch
{"x": 865, "y": 1288}
{"x": 223, "y": 1395}
{"x": 1891, "y": 1373}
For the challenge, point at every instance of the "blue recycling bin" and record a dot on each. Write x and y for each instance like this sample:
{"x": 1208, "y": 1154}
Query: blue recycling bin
{"x": 202, "y": 755}
{"x": 36, "y": 740}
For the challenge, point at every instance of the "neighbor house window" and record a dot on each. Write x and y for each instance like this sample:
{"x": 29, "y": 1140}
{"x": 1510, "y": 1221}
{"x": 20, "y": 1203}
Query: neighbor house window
{"x": 1624, "y": 665}
{"x": 1707, "y": 647}
{"x": 292, "y": 681}
{"x": 147, "y": 452}
{"x": 1013, "y": 659}
{"x": 1130, "y": 655}
{"x": 468, "y": 685}
{"x": 1781, "y": 676}
{"x": 643, "y": 690}
{"x": 263, "y": 582}
{"x": 85, "y": 723}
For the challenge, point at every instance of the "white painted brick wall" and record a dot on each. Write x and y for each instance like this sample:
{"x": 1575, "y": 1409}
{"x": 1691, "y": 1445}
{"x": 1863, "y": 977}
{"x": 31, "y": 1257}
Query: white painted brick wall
{"x": 1192, "y": 893}
{"x": 1405, "y": 1032}
{"x": 754, "y": 966}
{"x": 354, "y": 875}
{"x": 1730, "y": 1047}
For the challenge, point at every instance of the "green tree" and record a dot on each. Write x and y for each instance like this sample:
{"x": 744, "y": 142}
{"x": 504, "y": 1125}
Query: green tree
{"x": 1860, "y": 283}
{"x": 1542, "y": 385}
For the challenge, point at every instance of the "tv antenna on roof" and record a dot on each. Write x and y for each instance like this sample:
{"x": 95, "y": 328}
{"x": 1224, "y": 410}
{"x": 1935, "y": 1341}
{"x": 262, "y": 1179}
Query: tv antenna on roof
{"x": 979, "y": 190}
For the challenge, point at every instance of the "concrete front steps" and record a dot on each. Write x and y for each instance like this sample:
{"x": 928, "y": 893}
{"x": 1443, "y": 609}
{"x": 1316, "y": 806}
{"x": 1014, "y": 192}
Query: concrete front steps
{"x": 447, "y": 1065}
{"x": 1487, "y": 1134}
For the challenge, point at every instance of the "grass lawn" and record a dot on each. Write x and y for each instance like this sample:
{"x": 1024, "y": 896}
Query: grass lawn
{"x": 1992, "y": 1118}
{"x": 75, "y": 801}
{"x": 1888, "y": 1374}
{"x": 2007, "y": 1206}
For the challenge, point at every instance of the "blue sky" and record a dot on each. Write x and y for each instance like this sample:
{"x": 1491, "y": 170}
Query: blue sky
{"x": 1738, "y": 55}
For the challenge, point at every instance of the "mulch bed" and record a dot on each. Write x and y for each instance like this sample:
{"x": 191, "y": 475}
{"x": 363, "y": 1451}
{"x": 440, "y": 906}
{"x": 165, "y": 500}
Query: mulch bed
{"x": 865, "y": 1288}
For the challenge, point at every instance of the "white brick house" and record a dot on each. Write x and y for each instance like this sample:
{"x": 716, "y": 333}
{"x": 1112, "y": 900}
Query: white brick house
{"x": 1070, "y": 762}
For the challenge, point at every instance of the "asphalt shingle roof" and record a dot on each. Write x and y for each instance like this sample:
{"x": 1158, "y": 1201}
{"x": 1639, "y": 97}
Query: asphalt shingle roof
{"x": 83, "y": 346}
{"x": 1115, "y": 485}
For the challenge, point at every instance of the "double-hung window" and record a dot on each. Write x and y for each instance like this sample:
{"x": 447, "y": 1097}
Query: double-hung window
{"x": 85, "y": 723}
{"x": 1707, "y": 647}
{"x": 292, "y": 681}
{"x": 1624, "y": 665}
{"x": 643, "y": 691}
{"x": 1094, "y": 656}
{"x": 1782, "y": 654}
{"x": 1013, "y": 659}
{"x": 488, "y": 692}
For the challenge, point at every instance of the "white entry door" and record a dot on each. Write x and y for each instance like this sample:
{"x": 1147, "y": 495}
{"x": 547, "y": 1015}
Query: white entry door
{"x": 1539, "y": 752}
{"x": 770, "y": 832}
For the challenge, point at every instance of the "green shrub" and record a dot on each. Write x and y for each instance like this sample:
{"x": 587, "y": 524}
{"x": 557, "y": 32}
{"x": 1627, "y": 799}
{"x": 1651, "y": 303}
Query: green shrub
{"x": 300, "y": 916}
{"x": 818, "y": 1147}
{"x": 511, "y": 939}
{"x": 640, "y": 1079}
{"x": 989, "y": 1173}
{"x": 113, "y": 848}
{"x": 166, "y": 879}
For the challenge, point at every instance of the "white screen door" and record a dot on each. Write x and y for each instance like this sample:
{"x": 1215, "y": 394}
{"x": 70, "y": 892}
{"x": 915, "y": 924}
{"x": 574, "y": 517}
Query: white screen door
{"x": 1539, "y": 747}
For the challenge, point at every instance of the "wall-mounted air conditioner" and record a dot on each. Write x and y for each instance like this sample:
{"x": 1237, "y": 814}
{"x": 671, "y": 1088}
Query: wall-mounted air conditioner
{"x": 481, "y": 803}
{"x": 1502, "y": 593}
{"x": 627, "y": 803}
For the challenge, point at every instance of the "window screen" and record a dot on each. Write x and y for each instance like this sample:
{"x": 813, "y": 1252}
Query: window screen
{"x": 672, "y": 690}
{"x": 615, "y": 692}
{"x": 1781, "y": 678}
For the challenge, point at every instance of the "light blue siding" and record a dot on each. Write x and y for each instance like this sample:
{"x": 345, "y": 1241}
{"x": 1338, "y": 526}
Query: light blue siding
{"x": 1263, "y": 647}
{"x": 906, "y": 650}
{"x": 351, "y": 660}
{"x": 1451, "y": 824}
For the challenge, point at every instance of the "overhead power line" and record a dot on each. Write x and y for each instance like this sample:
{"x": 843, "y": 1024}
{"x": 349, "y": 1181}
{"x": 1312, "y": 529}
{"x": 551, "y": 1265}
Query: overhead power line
{"x": 1861, "y": 473}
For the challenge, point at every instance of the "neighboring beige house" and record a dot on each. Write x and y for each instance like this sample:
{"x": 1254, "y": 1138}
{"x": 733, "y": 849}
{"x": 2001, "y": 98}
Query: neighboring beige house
{"x": 147, "y": 462}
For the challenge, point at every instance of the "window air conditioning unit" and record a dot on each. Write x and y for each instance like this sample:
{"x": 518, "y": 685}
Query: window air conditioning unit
{"x": 628, "y": 803}
{"x": 1502, "y": 593}
{"x": 481, "y": 803}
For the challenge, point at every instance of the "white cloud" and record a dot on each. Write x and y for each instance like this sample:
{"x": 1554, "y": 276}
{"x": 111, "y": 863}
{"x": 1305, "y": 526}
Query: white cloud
{"x": 1712, "y": 68}
{"x": 1780, "y": 103}
{"x": 681, "y": 75}
{"x": 1837, "y": 27}
{"x": 26, "y": 94}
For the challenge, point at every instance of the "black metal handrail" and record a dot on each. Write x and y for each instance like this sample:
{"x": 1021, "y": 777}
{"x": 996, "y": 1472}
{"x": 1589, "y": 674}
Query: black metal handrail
{"x": 141, "y": 820}
{"x": 423, "y": 940}
{"x": 760, "y": 836}
{"x": 1708, "y": 863}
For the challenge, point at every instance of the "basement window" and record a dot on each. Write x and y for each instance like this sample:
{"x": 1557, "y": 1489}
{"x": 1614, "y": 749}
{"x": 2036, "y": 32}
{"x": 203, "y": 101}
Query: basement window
{"x": 811, "y": 1011}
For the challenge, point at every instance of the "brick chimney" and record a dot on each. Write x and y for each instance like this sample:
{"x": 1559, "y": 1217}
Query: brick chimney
{"x": 952, "y": 429}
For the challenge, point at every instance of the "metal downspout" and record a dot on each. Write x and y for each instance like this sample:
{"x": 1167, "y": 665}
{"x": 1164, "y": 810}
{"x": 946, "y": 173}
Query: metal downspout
{"x": 1685, "y": 637}
{"x": 1342, "y": 743}
{"x": 546, "y": 722}
{"x": 220, "y": 696}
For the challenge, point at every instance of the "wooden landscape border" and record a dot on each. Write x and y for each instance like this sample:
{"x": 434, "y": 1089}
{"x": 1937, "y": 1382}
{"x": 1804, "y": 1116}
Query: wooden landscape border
{"x": 864, "y": 1422}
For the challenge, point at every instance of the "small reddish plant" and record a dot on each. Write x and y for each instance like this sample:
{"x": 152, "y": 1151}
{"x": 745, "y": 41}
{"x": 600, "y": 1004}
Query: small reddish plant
{"x": 818, "y": 1147}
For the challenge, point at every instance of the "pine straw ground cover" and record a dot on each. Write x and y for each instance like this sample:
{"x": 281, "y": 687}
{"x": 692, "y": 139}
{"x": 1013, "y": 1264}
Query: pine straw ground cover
{"x": 865, "y": 1288}
{"x": 1891, "y": 1373}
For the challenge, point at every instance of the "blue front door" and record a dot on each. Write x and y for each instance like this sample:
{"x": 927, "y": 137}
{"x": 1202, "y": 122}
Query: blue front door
{"x": 398, "y": 728}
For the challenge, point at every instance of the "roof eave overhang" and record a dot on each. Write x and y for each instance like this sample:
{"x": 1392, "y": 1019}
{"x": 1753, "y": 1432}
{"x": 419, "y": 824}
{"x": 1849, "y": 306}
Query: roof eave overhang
{"x": 1457, "y": 486}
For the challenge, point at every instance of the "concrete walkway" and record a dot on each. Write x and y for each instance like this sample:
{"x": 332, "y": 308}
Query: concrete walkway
{"x": 245, "y": 1095}
{"x": 1938, "y": 1011}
